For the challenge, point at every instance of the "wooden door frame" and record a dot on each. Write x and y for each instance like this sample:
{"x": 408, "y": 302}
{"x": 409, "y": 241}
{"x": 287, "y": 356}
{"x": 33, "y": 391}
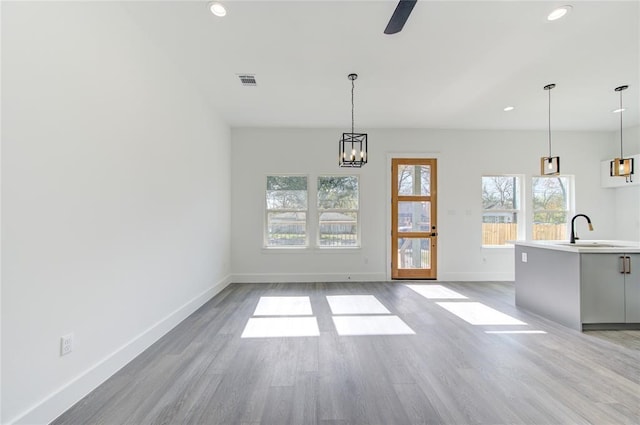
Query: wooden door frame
{"x": 390, "y": 157}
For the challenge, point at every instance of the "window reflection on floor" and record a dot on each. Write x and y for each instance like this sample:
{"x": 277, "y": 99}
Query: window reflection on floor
{"x": 283, "y": 306}
{"x": 355, "y": 315}
{"x": 479, "y": 314}
{"x": 349, "y": 316}
{"x": 436, "y": 292}
{"x": 356, "y": 304}
{"x": 272, "y": 327}
{"x": 371, "y": 325}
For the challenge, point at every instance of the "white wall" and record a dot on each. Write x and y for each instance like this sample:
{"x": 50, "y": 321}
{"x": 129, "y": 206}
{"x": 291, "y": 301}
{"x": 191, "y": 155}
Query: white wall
{"x": 627, "y": 199}
{"x": 463, "y": 157}
{"x": 115, "y": 200}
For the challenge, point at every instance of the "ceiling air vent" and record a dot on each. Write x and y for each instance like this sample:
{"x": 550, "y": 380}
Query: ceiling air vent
{"x": 247, "y": 80}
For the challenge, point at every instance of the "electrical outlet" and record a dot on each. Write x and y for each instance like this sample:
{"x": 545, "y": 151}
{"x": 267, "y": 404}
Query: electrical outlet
{"x": 66, "y": 344}
{"x": 524, "y": 257}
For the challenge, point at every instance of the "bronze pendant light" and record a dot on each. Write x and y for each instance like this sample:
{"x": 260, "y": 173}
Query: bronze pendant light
{"x": 549, "y": 165}
{"x": 621, "y": 167}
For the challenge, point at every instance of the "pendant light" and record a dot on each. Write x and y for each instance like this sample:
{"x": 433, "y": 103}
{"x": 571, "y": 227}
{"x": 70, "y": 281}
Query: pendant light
{"x": 621, "y": 167}
{"x": 352, "y": 148}
{"x": 549, "y": 165}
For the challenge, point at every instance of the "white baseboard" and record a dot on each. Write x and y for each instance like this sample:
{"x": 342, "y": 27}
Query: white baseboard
{"x": 308, "y": 277}
{"x": 476, "y": 277}
{"x": 363, "y": 277}
{"x": 62, "y": 399}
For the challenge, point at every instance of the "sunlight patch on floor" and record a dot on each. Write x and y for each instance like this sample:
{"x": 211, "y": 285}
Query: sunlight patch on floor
{"x": 272, "y": 327}
{"x": 515, "y": 332}
{"x": 371, "y": 325}
{"x": 283, "y": 306}
{"x": 477, "y": 313}
{"x": 356, "y": 304}
{"x": 436, "y": 292}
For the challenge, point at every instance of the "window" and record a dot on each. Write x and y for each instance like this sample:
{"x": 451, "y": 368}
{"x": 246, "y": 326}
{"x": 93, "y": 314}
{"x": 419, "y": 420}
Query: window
{"x": 501, "y": 207}
{"x": 551, "y": 207}
{"x": 338, "y": 211}
{"x": 286, "y": 212}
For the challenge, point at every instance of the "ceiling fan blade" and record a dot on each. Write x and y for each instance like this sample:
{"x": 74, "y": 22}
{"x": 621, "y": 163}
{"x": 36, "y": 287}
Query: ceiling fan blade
{"x": 400, "y": 16}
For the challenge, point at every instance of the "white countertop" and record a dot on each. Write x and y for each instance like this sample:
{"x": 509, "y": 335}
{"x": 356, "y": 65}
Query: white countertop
{"x": 586, "y": 246}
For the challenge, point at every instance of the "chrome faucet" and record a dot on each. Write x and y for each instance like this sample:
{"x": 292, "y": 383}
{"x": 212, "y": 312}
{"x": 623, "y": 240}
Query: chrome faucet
{"x": 573, "y": 231}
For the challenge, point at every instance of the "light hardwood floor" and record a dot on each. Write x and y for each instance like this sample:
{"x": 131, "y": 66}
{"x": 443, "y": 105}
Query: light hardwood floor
{"x": 448, "y": 372}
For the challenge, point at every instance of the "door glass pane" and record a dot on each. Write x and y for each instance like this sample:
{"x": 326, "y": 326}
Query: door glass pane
{"x": 414, "y": 253}
{"x": 414, "y": 180}
{"x": 414, "y": 216}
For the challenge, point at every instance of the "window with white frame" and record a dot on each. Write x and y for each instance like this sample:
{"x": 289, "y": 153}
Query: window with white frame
{"x": 286, "y": 212}
{"x": 338, "y": 211}
{"x": 501, "y": 209}
{"x": 551, "y": 197}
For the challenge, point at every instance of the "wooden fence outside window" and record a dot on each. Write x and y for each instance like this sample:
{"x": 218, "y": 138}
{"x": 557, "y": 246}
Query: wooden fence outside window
{"x": 499, "y": 233}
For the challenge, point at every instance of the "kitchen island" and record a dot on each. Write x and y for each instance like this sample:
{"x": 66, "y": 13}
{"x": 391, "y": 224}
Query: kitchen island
{"x": 591, "y": 284}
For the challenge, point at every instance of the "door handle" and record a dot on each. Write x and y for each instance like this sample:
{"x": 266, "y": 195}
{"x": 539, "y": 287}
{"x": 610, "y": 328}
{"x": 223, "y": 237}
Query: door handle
{"x": 627, "y": 264}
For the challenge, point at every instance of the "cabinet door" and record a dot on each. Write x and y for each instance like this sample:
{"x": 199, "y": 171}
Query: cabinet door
{"x": 602, "y": 288}
{"x": 632, "y": 289}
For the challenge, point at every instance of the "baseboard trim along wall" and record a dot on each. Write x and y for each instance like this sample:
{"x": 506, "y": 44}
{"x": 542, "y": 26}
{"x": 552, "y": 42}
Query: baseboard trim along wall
{"x": 307, "y": 277}
{"x": 62, "y": 399}
{"x": 476, "y": 276}
{"x": 363, "y": 277}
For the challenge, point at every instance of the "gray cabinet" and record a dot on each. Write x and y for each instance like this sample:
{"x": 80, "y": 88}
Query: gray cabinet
{"x": 602, "y": 288}
{"x": 610, "y": 288}
{"x": 632, "y": 288}
{"x": 580, "y": 287}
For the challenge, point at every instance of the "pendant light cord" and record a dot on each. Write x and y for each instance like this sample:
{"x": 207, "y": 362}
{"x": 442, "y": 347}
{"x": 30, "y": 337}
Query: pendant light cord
{"x": 352, "y": 107}
{"x": 549, "y": 90}
{"x": 621, "y": 111}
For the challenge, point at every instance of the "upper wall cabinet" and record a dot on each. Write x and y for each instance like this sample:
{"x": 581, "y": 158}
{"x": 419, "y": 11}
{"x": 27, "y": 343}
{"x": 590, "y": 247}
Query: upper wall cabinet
{"x": 607, "y": 181}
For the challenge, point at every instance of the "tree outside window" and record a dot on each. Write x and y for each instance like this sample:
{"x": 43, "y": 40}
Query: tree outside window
{"x": 414, "y": 180}
{"x": 550, "y": 207}
{"x": 338, "y": 211}
{"x": 501, "y": 208}
{"x": 286, "y": 212}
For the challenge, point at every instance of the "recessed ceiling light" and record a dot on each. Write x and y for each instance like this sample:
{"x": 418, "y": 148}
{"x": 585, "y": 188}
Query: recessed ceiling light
{"x": 509, "y": 108}
{"x": 559, "y": 13}
{"x": 617, "y": 111}
{"x": 217, "y": 9}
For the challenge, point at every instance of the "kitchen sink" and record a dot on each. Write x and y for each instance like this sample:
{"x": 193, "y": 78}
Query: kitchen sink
{"x": 590, "y": 245}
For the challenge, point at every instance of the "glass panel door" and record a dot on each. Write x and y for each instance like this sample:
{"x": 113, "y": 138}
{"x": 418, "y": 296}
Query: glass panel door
{"x": 413, "y": 210}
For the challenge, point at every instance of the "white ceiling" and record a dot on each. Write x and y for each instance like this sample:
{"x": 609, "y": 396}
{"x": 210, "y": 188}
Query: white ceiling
{"x": 456, "y": 64}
